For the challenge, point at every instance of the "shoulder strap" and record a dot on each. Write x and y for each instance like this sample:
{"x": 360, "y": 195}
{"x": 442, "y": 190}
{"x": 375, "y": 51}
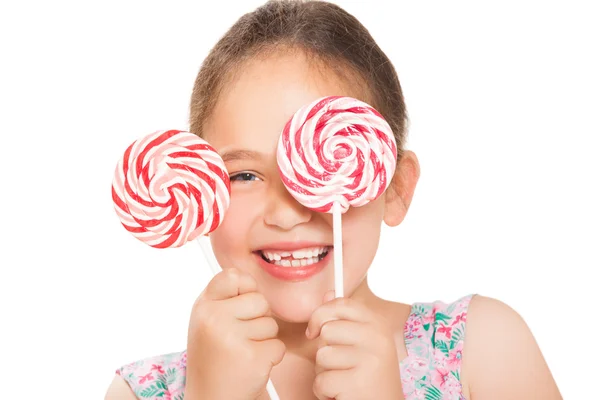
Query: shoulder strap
{"x": 157, "y": 377}
{"x": 447, "y": 341}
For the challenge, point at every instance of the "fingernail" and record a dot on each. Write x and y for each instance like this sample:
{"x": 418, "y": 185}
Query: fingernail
{"x": 307, "y": 333}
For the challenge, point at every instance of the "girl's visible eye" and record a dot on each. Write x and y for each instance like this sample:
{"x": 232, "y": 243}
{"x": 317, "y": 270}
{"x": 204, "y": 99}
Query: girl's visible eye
{"x": 243, "y": 177}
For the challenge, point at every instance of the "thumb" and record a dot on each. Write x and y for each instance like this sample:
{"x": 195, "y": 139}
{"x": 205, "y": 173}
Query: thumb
{"x": 329, "y": 295}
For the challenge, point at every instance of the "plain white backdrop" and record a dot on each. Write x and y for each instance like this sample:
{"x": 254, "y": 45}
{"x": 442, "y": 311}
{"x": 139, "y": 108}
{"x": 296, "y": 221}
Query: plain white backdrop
{"x": 503, "y": 100}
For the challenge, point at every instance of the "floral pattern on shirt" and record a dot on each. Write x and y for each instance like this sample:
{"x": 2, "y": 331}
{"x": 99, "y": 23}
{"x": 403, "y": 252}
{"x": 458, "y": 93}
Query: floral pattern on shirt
{"x": 434, "y": 336}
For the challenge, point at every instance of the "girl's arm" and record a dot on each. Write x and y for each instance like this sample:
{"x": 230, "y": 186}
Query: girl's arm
{"x": 501, "y": 357}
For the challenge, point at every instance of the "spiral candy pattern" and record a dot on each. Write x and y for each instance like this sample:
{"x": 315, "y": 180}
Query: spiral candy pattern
{"x": 170, "y": 187}
{"x": 336, "y": 149}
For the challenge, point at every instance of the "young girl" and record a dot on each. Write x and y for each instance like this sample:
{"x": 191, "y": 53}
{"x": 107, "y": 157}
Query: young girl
{"x": 252, "y": 324}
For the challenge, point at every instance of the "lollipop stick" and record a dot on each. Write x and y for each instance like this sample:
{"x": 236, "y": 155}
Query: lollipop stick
{"x": 271, "y": 391}
{"x": 207, "y": 252}
{"x": 215, "y": 268}
{"x": 338, "y": 262}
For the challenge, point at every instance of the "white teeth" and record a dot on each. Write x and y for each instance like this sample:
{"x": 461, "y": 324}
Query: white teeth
{"x": 300, "y": 257}
{"x": 297, "y": 263}
{"x": 298, "y": 254}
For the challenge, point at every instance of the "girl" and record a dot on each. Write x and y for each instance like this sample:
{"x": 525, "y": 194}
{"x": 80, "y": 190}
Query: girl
{"x": 255, "y": 321}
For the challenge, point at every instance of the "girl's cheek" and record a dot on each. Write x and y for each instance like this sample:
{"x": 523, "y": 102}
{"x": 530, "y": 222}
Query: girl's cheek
{"x": 243, "y": 210}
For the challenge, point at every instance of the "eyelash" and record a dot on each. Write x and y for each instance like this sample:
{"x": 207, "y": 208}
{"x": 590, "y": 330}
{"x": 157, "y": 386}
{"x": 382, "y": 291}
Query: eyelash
{"x": 234, "y": 177}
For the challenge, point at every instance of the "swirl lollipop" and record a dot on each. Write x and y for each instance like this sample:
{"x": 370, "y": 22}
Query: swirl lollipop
{"x": 171, "y": 187}
{"x": 335, "y": 153}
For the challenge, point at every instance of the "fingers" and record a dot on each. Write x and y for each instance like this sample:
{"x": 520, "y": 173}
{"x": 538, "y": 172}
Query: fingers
{"x": 274, "y": 348}
{"x": 341, "y": 308}
{"x": 337, "y": 358}
{"x": 248, "y": 306}
{"x": 342, "y": 332}
{"x": 330, "y": 384}
{"x": 230, "y": 283}
{"x": 261, "y": 328}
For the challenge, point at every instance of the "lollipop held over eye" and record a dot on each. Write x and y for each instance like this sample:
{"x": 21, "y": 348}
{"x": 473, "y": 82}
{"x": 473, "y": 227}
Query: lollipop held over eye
{"x": 335, "y": 153}
{"x": 170, "y": 187}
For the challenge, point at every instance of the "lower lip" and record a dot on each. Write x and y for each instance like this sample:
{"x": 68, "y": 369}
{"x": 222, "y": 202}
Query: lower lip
{"x": 293, "y": 273}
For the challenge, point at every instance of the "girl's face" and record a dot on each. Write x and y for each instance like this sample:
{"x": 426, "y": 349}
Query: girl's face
{"x": 264, "y": 225}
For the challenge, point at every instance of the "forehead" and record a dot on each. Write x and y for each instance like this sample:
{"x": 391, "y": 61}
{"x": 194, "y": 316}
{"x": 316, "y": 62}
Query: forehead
{"x": 255, "y": 106}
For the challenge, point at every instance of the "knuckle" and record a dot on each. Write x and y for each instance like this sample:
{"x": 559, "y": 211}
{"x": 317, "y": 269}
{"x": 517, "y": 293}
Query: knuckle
{"x": 274, "y": 326}
{"x": 270, "y": 327}
{"x": 319, "y": 384}
{"x": 202, "y": 310}
{"x": 279, "y": 347}
{"x": 209, "y": 318}
{"x": 232, "y": 275}
{"x": 329, "y": 329}
{"x": 230, "y": 340}
{"x": 322, "y": 355}
{"x": 249, "y": 353}
{"x": 326, "y": 330}
{"x": 260, "y": 304}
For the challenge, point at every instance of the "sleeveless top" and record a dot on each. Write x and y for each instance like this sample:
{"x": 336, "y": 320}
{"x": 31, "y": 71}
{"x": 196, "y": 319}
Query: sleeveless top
{"x": 433, "y": 334}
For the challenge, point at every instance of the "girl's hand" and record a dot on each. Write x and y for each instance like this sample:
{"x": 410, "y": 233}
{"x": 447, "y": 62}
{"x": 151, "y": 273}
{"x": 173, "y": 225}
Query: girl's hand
{"x": 356, "y": 357}
{"x": 232, "y": 340}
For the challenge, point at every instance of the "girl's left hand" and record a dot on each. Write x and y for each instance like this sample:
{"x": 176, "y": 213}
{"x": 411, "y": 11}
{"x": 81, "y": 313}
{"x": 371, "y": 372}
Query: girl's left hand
{"x": 356, "y": 357}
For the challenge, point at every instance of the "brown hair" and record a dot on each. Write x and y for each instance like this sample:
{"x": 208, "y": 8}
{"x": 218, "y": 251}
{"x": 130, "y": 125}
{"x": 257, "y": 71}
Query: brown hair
{"x": 323, "y": 31}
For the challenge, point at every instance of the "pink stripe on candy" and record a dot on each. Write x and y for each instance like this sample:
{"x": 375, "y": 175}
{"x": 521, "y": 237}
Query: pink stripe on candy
{"x": 170, "y": 187}
{"x": 314, "y": 148}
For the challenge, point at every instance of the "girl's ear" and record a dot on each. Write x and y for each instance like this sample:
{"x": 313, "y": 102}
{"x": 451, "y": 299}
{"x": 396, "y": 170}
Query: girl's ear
{"x": 399, "y": 194}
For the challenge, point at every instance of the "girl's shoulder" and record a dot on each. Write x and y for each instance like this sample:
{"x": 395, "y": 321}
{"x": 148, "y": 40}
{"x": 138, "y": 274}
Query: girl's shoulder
{"x": 500, "y": 348}
{"x": 437, "y": 326}
{"x": 471, "y": 348}
{"x": 157, "y": 377}
{"x": 434, "y": 335}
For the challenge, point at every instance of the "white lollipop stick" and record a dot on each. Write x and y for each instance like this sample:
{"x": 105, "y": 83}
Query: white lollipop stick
{"x": 271, "y": 391}
{"x": 338, "y": 254}
{"x": 215, "y": 268}
{"x": 207, "y": 251}
{"x": 336, "y": 153}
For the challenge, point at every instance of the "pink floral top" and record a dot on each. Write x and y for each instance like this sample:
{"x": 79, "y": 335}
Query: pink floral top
{"x": 434, "y": 335}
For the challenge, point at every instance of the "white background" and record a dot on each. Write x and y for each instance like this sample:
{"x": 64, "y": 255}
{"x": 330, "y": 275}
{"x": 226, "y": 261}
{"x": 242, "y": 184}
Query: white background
{"x": 503, "y": 99}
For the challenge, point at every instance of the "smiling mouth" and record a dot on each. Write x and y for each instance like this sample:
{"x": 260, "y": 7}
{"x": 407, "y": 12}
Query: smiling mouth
{"x": 296, "y": 258}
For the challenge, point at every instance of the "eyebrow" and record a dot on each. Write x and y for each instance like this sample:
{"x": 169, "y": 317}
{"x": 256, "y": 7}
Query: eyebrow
{"x": 235, "y": 155}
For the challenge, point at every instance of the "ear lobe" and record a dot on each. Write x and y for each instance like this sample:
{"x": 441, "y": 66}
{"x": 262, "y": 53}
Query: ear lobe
{"x": 399, "y": 194}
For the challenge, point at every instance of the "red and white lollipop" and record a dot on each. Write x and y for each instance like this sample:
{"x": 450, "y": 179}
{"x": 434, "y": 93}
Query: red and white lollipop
{"x": 171, "y": 187}
{"x": 335, "y": 153}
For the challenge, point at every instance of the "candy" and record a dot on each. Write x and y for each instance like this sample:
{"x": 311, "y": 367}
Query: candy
{"x": 170, "y": 187}
{"x": 336, "y": 149}
{"x": 335, "y": 153}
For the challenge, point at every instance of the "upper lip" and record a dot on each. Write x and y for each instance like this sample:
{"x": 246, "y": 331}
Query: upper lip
{"x": 291, "y": 246}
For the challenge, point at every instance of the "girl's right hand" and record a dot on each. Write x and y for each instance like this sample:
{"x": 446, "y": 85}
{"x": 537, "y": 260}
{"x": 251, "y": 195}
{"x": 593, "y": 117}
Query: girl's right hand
{"x": 232, "y": 340}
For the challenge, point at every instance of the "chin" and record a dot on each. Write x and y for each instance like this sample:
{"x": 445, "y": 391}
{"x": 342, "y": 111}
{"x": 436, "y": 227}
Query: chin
{"x": 295, "y": 309}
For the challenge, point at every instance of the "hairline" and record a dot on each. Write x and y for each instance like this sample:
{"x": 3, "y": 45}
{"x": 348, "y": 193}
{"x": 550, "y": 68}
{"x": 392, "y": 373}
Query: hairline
{"x": 349, "y": 77}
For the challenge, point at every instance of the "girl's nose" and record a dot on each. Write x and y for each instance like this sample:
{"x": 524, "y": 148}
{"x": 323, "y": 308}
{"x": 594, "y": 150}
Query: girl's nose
{"x": 283, "y": 211}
